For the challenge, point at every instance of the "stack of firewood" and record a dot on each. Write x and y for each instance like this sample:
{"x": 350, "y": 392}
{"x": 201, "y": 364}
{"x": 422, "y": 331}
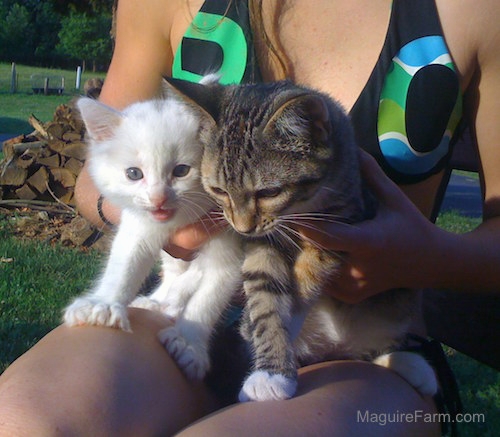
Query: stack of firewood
{"x": 44, "y": 164}
{"x": 38, "y": 175}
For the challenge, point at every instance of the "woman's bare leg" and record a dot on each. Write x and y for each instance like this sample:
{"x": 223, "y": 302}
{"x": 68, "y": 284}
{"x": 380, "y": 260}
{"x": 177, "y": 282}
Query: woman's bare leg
{"x": 105, "y": 382}
{"x": 99, "y": 382}
{"x": 332, "y": 400}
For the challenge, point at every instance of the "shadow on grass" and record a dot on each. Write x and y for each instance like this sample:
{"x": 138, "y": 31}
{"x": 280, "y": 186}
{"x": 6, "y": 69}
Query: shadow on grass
{"x": 16, "y": 337}
{"x": 479, "y": 390}
{"x": 9, "y": 125}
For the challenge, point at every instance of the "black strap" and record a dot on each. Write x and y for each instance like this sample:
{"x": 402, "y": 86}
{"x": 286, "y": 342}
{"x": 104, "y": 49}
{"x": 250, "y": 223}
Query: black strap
{"x": 448, "y": 398}
{"x": 101, "y": 213}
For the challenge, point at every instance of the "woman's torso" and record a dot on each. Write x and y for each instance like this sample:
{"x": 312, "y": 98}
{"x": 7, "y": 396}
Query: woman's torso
{"x": 334, "y": 45}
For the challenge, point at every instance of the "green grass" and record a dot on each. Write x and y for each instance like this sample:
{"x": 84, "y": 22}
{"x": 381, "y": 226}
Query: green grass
{"x": 479, "y": 387}
{"x": 36, "y": 281}
{"x": 453, "y": 222}
{"x": 16, "y": 108}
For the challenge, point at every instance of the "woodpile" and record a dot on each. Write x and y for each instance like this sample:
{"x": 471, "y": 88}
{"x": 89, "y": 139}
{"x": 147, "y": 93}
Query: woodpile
{"x": 39, "y": 172}
{"x": 44, "y": 164}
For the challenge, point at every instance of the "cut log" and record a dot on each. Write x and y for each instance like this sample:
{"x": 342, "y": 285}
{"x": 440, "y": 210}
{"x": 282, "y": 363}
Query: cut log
{"x": 76, "y": 150}
{"x": 26, "y": 159}
{"x": 71, "y": 136}
{"x": 38, "y": 126}
{"x": 53, "y": 160}
{"x": 29, "y": 156}
{"x": 26, "y": 193}
{"x": 13, "y": 176}
{"x": 7, "y": 144}
{"x": 11, "y": 150}
{"x": 73, "y": 165}
{"x": 65, "y": 177}
{"x": 77, "y": 232}
{"x": 68, "y": 198}
{"x": 39, "y": 180}
{"x": 55, "y": 131}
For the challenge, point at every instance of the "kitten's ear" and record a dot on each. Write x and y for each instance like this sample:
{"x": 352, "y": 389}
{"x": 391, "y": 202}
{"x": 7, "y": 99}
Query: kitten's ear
{"x": 205, "y": 96}
{"x": 100, "y": 120}
{"x": 302, "y": 115}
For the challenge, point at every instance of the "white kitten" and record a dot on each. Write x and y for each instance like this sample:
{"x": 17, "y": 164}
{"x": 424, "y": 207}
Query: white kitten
{"x": 146, "y": 161}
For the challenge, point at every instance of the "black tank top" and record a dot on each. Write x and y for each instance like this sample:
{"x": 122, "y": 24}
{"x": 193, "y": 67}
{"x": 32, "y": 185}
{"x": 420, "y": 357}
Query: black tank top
{"x": 408, "y": 112}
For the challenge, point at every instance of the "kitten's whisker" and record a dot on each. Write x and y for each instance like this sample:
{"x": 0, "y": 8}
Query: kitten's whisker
{"x": 196, "y": 193}
{"x": 313, "y": 214}
{"x": 330, "y": 218}
{"x": 332, "y": 190}
{"x": 199, "y": 194}
{"x": 283, "y": 232}
{"x": 192, "y": 207}
{"x": 196, "y": 209}
{"x": 304, "y": 238}
{"x": 194, "y": 196}
{"x": 308, "y": 226}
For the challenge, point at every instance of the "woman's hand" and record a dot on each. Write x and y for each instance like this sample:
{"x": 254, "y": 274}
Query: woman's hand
{"x": 187, "y": 240}
{"x": 390, "y": 251}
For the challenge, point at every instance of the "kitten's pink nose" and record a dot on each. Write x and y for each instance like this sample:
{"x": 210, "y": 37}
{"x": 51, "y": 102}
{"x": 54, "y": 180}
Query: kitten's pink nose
{"x": 159, "y": 200}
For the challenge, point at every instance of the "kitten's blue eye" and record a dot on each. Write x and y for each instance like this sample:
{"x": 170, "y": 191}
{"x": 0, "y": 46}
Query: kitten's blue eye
{"x": 269, "y": 192}
{"x": 134, "y": 173}
{"x": 181, "y": 170}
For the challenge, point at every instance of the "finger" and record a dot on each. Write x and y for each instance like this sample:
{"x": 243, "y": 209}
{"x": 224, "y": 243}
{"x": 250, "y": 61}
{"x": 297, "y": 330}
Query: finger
{"x": 180, "y": 252}
{"x": 191, "y": 237}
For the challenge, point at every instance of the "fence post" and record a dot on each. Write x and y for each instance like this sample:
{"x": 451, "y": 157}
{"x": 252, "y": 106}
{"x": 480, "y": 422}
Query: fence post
{"x": 78, "y": 77}
{"x": 13, "y": 78}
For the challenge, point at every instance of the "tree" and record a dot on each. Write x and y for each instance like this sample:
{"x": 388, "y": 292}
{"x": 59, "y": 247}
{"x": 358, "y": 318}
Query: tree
{"x": 91, "y": 7}
{"x": 86, "y": 38}
{"x": 16, "y": 34}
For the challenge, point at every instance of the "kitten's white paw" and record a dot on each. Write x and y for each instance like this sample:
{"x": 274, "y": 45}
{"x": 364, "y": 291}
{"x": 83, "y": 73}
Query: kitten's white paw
{"x": 92, "y": 311}
{"x": 265, "y": 386}
{"x": 193, "y": 361}
{"x": 412, "y": 367}
{"x": 146, "y": 303}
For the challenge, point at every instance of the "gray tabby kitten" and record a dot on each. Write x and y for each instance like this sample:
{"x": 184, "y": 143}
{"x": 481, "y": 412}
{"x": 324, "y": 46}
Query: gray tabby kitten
{"x": 276, "y": 155}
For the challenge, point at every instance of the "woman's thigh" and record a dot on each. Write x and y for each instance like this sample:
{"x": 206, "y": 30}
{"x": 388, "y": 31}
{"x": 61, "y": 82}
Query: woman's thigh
{"x": 105, "y": 382}
{"x": 334, "y": 399}
{"x": 100, "y": 381}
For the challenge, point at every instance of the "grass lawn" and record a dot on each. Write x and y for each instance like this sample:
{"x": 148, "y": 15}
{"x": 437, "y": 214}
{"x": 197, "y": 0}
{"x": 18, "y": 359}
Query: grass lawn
{"x": 16, "y": 108}
{"x": 36, "y": 281}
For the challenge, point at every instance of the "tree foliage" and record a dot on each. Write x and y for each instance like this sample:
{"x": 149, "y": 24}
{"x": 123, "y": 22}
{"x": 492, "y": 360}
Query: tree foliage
{"x": 87, "y": 6}
{"x": 85, "y": 38}
{"x": 55, "y": 33}
{"x": 16, "y": 36}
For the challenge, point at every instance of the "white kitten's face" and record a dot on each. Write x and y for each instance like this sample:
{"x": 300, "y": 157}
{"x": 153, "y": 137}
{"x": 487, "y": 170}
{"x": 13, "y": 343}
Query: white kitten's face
{"x": 146, "y": 158}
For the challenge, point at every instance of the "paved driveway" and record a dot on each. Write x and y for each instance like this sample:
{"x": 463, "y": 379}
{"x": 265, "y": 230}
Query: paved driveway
{"x": 463, "y": 195}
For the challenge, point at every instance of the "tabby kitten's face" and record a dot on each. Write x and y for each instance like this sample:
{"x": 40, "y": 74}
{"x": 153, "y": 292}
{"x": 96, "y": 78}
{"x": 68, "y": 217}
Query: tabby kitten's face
{"x": 274, "y": 152}
{"x": 260, "y": 183}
